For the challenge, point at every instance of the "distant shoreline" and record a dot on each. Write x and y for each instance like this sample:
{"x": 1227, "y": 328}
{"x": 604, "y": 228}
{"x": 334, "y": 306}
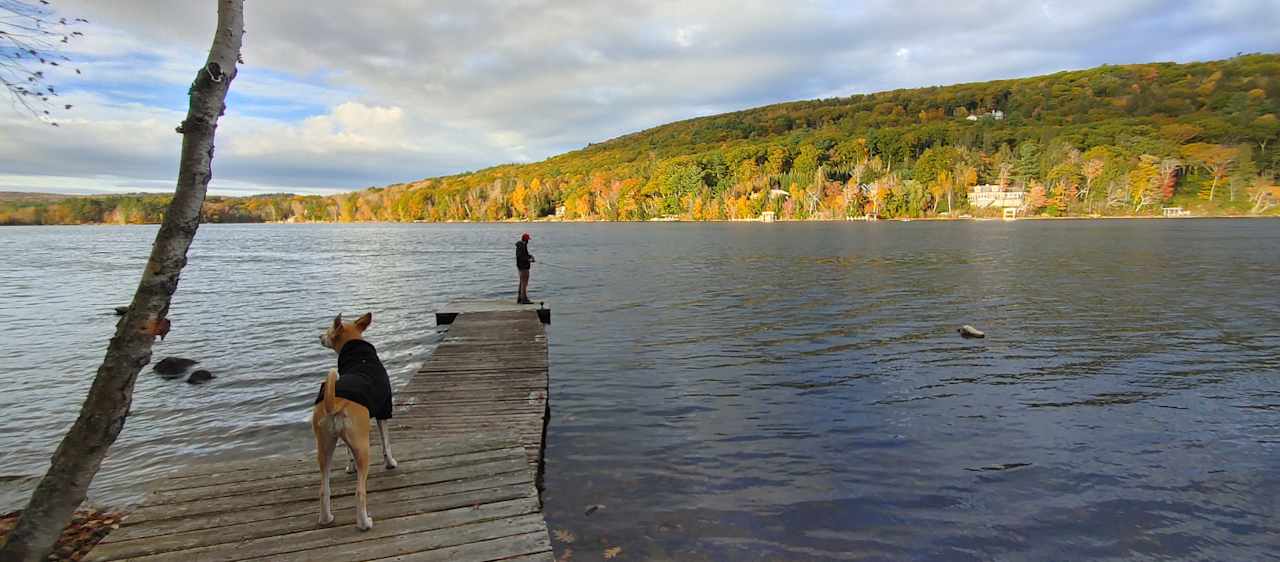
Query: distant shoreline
{"x": 660, "y": 221}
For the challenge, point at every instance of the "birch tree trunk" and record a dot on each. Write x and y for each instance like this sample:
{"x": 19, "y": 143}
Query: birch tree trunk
{"x": 103, "y": 414}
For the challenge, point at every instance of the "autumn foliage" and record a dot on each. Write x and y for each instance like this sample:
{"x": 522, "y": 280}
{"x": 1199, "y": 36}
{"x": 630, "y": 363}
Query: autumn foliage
{"x": 1114, "y": 140}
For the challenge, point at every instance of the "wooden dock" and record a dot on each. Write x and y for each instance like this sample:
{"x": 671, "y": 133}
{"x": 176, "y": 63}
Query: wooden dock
{"x": 468, "y": 433}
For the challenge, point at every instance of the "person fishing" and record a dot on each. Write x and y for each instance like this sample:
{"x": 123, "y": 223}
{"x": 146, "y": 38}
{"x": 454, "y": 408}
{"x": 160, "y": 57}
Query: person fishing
{"x": 524, "y": 261}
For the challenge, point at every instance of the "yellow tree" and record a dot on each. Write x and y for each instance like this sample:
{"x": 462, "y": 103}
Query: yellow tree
{"x": 778, "y": 162}
{"x": 941, "y": 186}
{"x": 530, "y": 196}
{"x": 1091, "y": 169}
{"x": 518, "y": 197}
{"x": 1036, "y": 198}
{"x": 347, "y": 207}
{"x": 1143, "y": 181}
{"x": 580, "y": 207}
{"x": 880, "y": 191}
{"x": 1263, "y": 194}
{"x": 1214, "y": 158}
{"x": 716, "y": 209}
{"x": 796, "y": 197}
{"x": 850, "y": 152}
{"x": 696, "y": 207}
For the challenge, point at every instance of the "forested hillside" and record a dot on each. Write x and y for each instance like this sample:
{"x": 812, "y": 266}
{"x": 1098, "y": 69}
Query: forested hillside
{"x": 1113, "y": 140}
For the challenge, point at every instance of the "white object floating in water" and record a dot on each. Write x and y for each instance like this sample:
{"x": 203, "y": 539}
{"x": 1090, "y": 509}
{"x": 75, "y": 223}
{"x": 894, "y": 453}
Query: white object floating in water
{"x": 971, "y": 332}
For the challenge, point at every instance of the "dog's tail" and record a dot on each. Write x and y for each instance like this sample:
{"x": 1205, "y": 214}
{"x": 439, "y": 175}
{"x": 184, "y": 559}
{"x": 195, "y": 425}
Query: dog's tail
{"x": 330, "y": 393}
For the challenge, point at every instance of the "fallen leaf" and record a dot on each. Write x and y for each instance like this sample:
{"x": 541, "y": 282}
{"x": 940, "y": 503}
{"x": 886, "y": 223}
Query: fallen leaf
{"x": 566, "y": 555}
{"x": 612, "y": 552}
{"x": 564, "y": 536}
{"x": 593, "y": 508}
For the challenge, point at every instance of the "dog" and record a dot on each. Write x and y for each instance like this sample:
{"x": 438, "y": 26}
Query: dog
{"x": 344, "y": 408}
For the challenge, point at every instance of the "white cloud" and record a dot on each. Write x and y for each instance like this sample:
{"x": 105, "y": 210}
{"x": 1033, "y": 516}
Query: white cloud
{"x": 350, "y": 127}
{"x": 685, "y": 35}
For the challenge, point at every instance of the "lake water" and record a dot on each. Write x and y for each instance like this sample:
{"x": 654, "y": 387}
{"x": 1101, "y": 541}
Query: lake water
{"x": 739, "y": 391}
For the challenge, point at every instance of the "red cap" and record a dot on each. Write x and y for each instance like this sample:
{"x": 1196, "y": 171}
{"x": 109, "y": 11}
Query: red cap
{"x": 525, "y": 237}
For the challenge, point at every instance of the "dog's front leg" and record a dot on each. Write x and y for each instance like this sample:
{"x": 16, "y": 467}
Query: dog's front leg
{"x": 388, "y": 460}
{"x": 351, "y": 461}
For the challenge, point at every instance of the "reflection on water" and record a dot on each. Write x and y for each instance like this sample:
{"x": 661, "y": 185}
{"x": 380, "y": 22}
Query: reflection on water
{"x": 745, "y": 391}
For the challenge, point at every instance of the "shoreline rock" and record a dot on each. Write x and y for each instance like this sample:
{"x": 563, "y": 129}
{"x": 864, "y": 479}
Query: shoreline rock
{"x": 173, "y": 366}
{"x": 200, "y": 377}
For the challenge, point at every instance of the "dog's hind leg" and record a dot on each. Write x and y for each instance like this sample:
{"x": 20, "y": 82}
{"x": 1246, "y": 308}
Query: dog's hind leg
{"x": 357, "y": 437}
{"x": 325, "y": 444}
{"x": 387, "y": 459}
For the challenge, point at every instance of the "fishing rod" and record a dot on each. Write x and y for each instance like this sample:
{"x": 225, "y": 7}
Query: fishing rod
{"x": 555, "y": 266}
{"x": 570, "y": 269}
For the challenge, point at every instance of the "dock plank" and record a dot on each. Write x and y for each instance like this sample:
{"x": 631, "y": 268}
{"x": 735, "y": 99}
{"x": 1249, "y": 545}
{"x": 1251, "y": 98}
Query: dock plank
{"x": 468, "y": 432}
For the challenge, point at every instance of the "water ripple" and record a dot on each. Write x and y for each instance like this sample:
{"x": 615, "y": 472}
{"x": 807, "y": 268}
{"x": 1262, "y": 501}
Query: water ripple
{"x": 741, "y": 391}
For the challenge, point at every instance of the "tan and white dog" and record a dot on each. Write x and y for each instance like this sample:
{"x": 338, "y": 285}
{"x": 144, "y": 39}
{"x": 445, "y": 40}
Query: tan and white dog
{"x": 344, "y": 410}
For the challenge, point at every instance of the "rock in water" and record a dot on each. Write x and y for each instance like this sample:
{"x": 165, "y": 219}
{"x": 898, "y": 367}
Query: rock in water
{"x": 173, "y": 366}
{"x": 200, "y": 377}
{"x": 971, "y": 332}
{"x": 122, "y": 310}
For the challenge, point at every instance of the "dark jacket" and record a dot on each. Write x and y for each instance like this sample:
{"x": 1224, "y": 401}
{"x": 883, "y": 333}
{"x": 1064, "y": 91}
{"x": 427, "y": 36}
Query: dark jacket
{"x": 362, "y": 379}
{"x": 523, "y": 257}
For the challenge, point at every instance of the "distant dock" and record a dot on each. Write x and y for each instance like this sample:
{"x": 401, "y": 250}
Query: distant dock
{"x": 469, "y": 431}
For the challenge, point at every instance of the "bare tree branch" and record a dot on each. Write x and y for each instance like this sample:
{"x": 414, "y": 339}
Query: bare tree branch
{"x": 32, "y": 42}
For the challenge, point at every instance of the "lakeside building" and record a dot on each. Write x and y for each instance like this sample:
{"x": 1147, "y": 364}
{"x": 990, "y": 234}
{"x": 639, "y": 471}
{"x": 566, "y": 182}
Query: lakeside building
{"x": 996, "y": 197}
{"x": 995, "y": 114}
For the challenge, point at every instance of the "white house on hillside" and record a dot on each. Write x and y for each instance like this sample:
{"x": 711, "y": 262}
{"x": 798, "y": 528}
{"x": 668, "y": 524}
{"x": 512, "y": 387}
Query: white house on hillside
{"x": 994, "y": 114}
{"x": 996, "y": 197}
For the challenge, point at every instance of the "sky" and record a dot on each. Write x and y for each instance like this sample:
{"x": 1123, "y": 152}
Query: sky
{"x": 338, "y": 95}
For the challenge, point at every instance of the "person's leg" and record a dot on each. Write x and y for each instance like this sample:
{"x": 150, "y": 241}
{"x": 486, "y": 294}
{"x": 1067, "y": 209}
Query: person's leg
{"x": 524, "y": 285}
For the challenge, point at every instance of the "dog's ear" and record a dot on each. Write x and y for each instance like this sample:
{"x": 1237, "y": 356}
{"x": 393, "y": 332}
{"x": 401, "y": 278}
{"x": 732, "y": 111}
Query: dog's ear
{"x": 364, "y": 320}
{"x": 337, "y": 321}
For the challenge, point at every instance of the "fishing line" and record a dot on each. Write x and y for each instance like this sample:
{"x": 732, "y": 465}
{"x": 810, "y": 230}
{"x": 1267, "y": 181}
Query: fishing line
{"x": 571, "y": 269}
